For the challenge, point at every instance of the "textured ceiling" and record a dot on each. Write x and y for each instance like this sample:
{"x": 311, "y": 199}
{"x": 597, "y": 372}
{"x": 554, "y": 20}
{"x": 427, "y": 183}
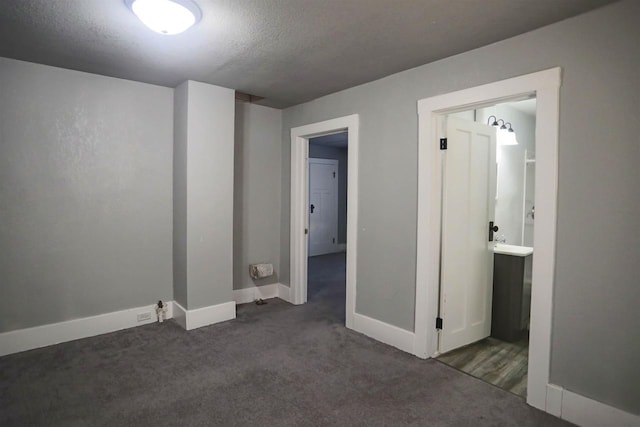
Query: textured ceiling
{"x": 287, "y": 51}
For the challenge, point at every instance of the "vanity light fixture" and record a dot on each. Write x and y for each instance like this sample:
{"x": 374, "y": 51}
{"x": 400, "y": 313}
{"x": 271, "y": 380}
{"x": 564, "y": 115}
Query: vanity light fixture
{"x": 505, "y": 136}
{"x": 167, "y": 17}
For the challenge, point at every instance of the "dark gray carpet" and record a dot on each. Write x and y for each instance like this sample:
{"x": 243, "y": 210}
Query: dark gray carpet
{"x": 276, "y": 364}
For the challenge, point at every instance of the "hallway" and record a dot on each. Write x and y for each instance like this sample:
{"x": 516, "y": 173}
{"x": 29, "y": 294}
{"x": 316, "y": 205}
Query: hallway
{"x": 326, "y": 282}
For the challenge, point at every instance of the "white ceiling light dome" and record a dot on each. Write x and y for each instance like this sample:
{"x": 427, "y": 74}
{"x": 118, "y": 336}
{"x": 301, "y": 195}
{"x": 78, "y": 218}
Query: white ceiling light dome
{"x": 167, "y": 17}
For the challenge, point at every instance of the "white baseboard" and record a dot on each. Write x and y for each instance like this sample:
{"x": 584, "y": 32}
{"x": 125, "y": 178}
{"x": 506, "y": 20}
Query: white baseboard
{"x": 199, "y": 317}
{"x": 284, "y": 292}
{"x": 56, "y": 333}
{"x": 384, "y": 332}
{"x": 554, "y": 400}
{"x": 586, "y": 412}
{"x": 243, "y": 296}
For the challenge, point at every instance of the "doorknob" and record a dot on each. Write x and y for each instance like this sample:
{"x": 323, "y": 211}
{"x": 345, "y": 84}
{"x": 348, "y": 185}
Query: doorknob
{"x": 312, "y": 208}
{"x": 492, "y": 229}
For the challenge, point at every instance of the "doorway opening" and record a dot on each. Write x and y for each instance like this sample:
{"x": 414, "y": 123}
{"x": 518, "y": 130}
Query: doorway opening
{"x": 545, "y": 87}
{"x": 326, "y": 272}
{"x": 487, "y": 304}
{"x": 323, "y": 233}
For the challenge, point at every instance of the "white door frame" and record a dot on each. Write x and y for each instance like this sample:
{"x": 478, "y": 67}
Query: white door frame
{"x": 336, "y": 163}
{"x": 545, "y": 85}
{"x": 300, "y": 207}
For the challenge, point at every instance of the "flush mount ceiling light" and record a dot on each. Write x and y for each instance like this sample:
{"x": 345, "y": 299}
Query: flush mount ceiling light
{"x": 167, "y": 17}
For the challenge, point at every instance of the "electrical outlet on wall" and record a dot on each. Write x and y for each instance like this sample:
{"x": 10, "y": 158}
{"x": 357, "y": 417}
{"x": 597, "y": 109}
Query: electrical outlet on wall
{"x": 144, "y": 316}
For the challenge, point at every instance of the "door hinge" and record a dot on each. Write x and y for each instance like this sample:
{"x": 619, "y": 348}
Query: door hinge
{"x": 438, "y": 322}
{"x": 492, "y": 229}
{"x": 334, "y": 240}
{"x": 334, "y": 175}
{"x": 443, "y": 143}
{"x": 306, "y": 231}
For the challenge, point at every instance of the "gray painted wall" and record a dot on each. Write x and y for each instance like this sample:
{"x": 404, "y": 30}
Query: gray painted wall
{"x": 341, "y": 155}
{"x": 256, "y": 217}
{"x": 85, "y": 194}
{"x": 209, "y": 144}
{"x": 595, "y": 348}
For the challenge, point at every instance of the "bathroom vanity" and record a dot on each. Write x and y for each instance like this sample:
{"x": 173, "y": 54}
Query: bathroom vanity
{"x": 511, "y": 292}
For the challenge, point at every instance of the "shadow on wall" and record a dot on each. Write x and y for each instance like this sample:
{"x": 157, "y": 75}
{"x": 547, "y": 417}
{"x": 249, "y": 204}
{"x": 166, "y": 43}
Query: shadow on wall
{"x": 256, "y": 205}
{"x": 238, "y": 193}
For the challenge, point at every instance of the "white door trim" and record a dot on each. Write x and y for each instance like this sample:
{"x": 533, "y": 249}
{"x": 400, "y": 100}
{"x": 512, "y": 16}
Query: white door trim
{"x": 545, "y": 85}
{"x": 299, "y": 207}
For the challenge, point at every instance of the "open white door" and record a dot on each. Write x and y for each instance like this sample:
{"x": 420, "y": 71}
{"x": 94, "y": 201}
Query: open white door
{"x": 468, "y": 205}
{"x": 323, "y": 206}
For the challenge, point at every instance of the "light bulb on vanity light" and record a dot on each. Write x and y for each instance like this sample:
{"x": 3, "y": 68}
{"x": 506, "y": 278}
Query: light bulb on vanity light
{"x": 167, "y": 17}
{"x": 509, "y": 138}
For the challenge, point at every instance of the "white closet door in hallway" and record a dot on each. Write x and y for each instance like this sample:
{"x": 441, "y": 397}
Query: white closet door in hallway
{"x": 323, "y": 206}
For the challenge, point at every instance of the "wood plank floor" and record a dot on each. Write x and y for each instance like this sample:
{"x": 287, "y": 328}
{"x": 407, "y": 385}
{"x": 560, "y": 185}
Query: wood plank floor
{"x": 497, "y": 362}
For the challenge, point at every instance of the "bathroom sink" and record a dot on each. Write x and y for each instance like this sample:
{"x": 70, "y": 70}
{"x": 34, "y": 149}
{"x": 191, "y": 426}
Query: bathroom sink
{"x": 502, "y": 248}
